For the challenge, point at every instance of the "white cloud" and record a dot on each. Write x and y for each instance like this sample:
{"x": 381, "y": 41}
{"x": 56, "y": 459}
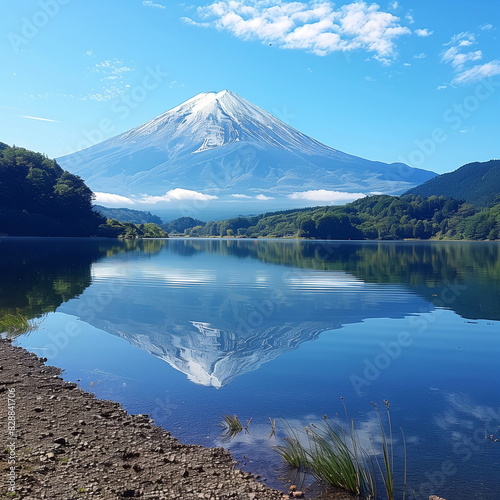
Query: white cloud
{"x": 112, "y": 199}
{"x": 177, "y": 194}
{"x": 324, "y": 195}
{"x": 463, "y": 39}
{"x": 149, "y": 3}
{"x": 38, "y": 118}
{"x": 459, "y": 56}
{"x": 369, "y": 78}
{"x": 441, "y": 87}
{"x": 478, "y": 72}
{"x": 240, "y": 196}
{"x": 420, "y": 56}
{"x": 423, "y": 32}
{"x": 458, "y": 59}
{"x": 313, "y": 26}
{"x": 263, "y": 197}
{"x": 486, "y": 27}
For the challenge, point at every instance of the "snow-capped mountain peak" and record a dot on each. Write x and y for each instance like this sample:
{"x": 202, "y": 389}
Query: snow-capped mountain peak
{"x": 213, "y": 119}
{"x": 220, "y": 143}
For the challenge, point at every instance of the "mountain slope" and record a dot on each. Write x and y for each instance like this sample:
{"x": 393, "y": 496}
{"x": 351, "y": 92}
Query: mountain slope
{"x": 221, "y": 144}
{"x": 477, "y": 183}
{"x": 128, "y": 215}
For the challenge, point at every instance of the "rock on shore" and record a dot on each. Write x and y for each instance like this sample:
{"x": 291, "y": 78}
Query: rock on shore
{"x": 63, "y": 443}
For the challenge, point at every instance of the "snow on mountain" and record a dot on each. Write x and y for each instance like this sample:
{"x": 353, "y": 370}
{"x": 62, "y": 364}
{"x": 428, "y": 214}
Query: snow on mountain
{"x": 220, "y": 144}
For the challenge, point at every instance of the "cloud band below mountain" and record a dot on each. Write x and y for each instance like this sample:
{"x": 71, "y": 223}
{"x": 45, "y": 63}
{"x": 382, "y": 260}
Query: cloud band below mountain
{"x": 177, "y": 194}
{"x": 324, "y": 195}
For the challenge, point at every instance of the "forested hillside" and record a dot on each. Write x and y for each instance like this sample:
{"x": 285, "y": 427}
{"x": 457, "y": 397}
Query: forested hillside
{"x": 373, "y": 217}
{"x": 477, "y": 183}
{"x": 128, "y": 215}
{"x": 39, "y": 198}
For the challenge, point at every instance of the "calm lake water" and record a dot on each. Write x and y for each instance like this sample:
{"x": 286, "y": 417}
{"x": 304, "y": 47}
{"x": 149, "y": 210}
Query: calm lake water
{"x": 191, "y": 330}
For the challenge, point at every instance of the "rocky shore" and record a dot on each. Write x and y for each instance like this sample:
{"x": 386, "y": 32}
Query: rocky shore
{"x": 60, "y": 442}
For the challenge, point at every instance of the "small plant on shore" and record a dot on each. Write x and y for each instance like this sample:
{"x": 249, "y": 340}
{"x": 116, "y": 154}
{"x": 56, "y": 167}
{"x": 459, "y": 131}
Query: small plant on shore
{"x": 332, "y": 453}
{"x": 232, "y": 426}
{"x": 292, "y": 452}
{"x": 272, "y": 433}
{"x": 386, "y": 465}
{"x": 16, "y": 324}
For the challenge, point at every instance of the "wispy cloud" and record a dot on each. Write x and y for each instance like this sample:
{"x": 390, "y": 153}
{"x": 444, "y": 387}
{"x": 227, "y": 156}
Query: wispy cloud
{"x": 241, "y": 196}
{"x": 423, "y": 32}
{"x": 313, "y": 26}
{"x": 263, "y": 197}
{"x": 478, "y": 72}
{"x": 324, "y": 195}
{"x": 460, "y": 54}
{"x": 486, "y": 27}
{"x": 149, "y": 3}
{"x": 112, "y": 79}
{"x": 38, "y": 118}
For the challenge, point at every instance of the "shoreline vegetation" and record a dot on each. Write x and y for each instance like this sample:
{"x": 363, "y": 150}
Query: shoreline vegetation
{"x": 378, "y": 217}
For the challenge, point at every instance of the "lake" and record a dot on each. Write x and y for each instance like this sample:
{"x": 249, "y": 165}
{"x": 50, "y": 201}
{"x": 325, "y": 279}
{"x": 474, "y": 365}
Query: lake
{"x": 190, "y": 330}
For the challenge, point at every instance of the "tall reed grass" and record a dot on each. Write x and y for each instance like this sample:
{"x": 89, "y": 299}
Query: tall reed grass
{"x": 333, "y": 454}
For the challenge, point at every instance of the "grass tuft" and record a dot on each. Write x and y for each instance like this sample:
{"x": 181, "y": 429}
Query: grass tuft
{"x": 16, "y": 324}
{"x": 232, "y": 426}
{"x": 332, "y": 453}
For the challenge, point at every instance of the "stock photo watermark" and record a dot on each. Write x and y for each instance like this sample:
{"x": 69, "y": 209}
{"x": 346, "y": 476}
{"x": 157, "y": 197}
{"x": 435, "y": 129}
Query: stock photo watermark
{"x": 391, "y": 351}
{"x": 86, "y": 311}
{"x": 464, "y": 450}
{"x": 32, "y": 25}
{"x": 453, "y": 117}
{"x": 11, "y": 440}
{"x": 121, "y": 107}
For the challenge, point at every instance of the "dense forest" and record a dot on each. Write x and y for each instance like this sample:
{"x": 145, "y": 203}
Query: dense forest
{"x": 381, "y": 217}
{"x": 39, "y": 198}
{"x": 477, "y": 183}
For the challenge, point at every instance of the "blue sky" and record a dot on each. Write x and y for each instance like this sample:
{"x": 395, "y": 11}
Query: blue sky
{"x": 412, "y": 81}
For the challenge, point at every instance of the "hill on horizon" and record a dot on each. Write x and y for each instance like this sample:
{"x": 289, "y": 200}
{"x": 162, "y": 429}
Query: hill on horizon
{"x": 477, "y": 183}
{"x": 128, "y": 215}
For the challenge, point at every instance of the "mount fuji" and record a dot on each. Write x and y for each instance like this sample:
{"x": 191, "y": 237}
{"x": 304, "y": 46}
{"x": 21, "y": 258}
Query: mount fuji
{"x": 220, "y": 144}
